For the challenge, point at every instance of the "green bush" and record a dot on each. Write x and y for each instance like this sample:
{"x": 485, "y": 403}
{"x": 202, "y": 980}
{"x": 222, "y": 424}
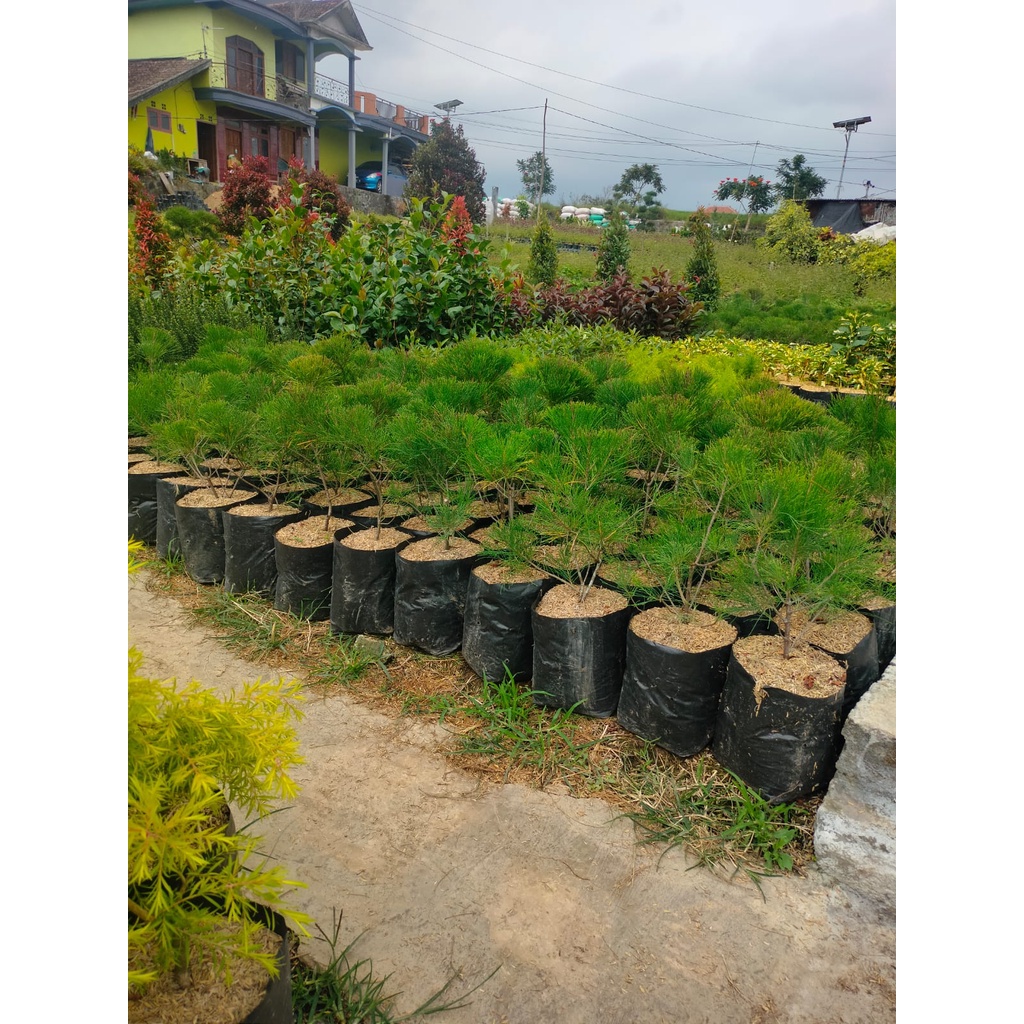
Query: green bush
{"x": 874, "y": 262}
{"x": 183, "y": 223}
{"x": 613, "y": 250}
{"x": 790, "y": 235}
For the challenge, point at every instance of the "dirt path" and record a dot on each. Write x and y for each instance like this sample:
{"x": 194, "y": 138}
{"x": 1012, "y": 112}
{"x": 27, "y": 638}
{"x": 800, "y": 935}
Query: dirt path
{"x": 446, "y": 875}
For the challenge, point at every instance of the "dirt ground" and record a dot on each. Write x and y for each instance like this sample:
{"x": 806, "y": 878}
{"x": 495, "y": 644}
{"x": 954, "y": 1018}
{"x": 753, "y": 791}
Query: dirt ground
{"x": 441, "y": 875}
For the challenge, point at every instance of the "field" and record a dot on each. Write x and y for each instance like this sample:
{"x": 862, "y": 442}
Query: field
{"x": 761, "y": 297}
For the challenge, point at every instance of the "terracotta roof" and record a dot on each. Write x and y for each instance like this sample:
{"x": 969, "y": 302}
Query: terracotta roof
{"x": 148, "y": 77}
{"x": 720, "y": 209}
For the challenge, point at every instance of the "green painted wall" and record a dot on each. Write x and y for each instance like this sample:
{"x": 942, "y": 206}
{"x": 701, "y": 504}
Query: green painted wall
{"x": 184, "y": 109}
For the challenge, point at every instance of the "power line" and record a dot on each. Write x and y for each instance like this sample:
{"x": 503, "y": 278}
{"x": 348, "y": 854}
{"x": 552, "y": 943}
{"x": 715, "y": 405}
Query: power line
{"x": 579, "y": 78}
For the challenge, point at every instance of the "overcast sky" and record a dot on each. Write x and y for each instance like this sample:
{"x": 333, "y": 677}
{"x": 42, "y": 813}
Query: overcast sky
{"x": 723, "y": 88}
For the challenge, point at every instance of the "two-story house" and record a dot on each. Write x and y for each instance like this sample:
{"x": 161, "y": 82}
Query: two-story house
{"x": 211, "y": 79}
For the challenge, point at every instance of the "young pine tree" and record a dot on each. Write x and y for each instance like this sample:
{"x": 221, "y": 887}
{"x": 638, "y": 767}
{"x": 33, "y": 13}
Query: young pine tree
{"x": 613, "y": 250}
{"x": 702, "y": 268}
{"x": 543, "y": 266}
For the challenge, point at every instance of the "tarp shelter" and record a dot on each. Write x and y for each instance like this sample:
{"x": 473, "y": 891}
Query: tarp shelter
{"x": 848, "y": 216}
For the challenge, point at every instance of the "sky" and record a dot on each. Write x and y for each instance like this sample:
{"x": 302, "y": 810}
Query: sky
{"x": 674, "y": 84}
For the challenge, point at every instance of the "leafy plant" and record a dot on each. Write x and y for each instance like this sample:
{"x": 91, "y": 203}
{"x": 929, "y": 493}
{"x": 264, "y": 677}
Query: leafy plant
{"x": 189, "y": 751}
{"x": 797, "y": 180}
{"x": 246, "y": 193}
{"x": 536, "y": 172}
{"x": 446, "y": 164}
{"x": 790, "y": 235}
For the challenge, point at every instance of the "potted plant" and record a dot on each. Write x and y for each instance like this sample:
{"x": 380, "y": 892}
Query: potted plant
{"x": 803, "y": 551}
{"x": 676, "y": 653}
{"x": 200, "y": 898}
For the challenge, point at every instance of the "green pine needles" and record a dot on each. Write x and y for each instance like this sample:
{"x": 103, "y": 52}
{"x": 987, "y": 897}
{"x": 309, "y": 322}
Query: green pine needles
{"x": 543, "y": 265}
{"x": 702, "y": 269}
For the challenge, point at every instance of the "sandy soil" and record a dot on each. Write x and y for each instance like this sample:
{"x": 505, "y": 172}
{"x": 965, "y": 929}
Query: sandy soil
{"x": 443, "y": 875}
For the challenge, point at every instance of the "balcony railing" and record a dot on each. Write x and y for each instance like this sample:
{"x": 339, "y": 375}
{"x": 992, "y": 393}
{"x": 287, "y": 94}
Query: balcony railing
{"x": 331, "y": 89}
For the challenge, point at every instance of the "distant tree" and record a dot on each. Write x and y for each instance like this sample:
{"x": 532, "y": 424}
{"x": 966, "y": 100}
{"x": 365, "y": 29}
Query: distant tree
{"x": 447, "y": 163}
{"x": 702, "y": 268}
{"x": 797, "y": 180}
{"x": 613, "y": 250}
{"x": 530, "y": 171}
{"x": 639, "y": 188}
{"x": 755, "y": 191}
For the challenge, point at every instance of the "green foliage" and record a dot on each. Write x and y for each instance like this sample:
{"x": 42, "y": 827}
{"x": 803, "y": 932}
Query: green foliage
{"x": 189, "y": 751}
{"x": 446, "y": 164}
{"x": 613, "y": 250}
{"x": 874, "y": 262}
{"x": 639, "y": 188}
{"x": 858, "y": 340}
{"x": 533, "y": 170}
{"x": 543, "y": 266}
{"x": 183, "y": 223}
{"x": 702, "y": 268}
{"x": 755, "y": 191}
{"x": 790, "y": 235}
{"x": 797, "y": 180}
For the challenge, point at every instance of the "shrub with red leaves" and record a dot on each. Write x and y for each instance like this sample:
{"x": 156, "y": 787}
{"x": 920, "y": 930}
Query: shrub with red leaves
{"x": 458, "y": 226}
{"x": 246, "y": 194}
{"x": 321, "y": 195}
{"x": 152, "y": 245}
{"x": 657, "y": 307}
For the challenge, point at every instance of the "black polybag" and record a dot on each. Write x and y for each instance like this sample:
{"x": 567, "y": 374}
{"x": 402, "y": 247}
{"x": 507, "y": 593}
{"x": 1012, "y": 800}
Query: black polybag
{"x": 884, "y": 621}
{"x": 861, "y": 670}
{"x": 671, "y": 696}
{"x": 363, "y": 589}
{"x": 304, "y": 577}
{"x": 497, "y": 635}
{"x": 250, "y": 562}
{"x": 142, "y": 507}
{"x": 201, "y": 536}
{"x": 430, "y": 602}
{"x": 787, "y": 747}
{"x": 580, "y": 661}
{"x": 168, "y": 491}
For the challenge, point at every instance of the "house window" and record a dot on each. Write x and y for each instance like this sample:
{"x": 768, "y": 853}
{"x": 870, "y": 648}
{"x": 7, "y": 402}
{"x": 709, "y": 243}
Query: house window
{"x": 261, "y": 142}
{"x": 245, "y": 66}
{"x": 158, "y": 120}
{"x": 291, "y": 62}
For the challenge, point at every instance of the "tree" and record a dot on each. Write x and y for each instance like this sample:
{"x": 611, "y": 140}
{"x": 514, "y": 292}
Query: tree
{"x": 531, "y": 170}
{"x": 613, "y": 249}
{"x": 543, "y": 267}
{"x": 757, "y": 193}
{"x": 797, "y": 180}
{"x": 447, "y": 163}
{"x": 703, "y": 266}
{"x": 639, "y": 188}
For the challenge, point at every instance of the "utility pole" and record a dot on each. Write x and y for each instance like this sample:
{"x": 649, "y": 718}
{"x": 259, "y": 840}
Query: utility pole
{"x": 543, "y": 157}
{"x": 750, "y": 171}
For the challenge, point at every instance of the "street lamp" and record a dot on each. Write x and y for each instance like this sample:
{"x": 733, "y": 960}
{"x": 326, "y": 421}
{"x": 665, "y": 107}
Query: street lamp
{"x": 448, "y": 106}
{"x": 849, "y": 126}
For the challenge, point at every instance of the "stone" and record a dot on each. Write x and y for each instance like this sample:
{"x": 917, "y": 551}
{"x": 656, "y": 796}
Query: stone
{"x": 855, "y": 830}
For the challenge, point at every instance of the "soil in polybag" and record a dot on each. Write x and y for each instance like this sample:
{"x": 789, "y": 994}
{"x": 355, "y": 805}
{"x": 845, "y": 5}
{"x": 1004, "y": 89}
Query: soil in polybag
{"x": 579, "y": 649}
{"x": 671, "y": 692}
{"x": 431, "y": 582}
{"x": 778, "y": 722}
{"x": 142, "y": 506}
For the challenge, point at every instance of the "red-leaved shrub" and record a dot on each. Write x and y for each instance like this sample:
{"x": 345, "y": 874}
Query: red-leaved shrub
{"x": 246, "y": 193}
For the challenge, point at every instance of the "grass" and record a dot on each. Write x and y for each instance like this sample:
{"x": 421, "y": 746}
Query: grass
{"x": 498, "y": 732}
{"x": 761, "y": 297}
{"x": 346, "y": 990}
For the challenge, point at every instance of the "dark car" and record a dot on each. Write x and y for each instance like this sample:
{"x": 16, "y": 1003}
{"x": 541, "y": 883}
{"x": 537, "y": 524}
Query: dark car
{"x": 369, "y": 177}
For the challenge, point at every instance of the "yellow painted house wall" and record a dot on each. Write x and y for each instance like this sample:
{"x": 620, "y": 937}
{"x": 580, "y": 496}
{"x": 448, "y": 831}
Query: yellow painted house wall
{"x": 178, "y": 32}
{"x": 185, "y": 110}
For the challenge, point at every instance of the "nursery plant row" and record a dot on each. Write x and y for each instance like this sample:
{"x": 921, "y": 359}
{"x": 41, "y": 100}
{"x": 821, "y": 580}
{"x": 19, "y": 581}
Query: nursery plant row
{"x": 685, "y": 546}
